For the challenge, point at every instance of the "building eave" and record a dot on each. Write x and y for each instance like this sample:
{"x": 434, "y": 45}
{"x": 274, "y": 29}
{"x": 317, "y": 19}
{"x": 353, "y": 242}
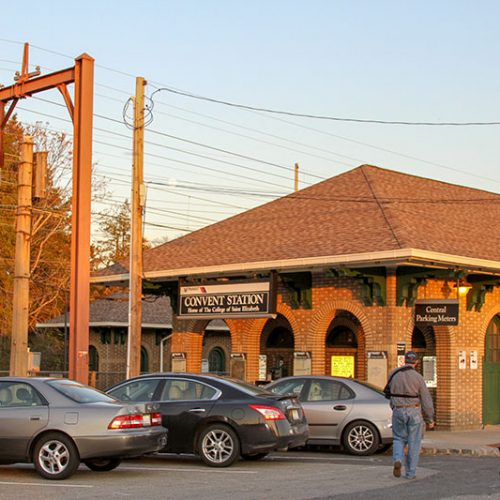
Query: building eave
{"x": 405, "y": 256}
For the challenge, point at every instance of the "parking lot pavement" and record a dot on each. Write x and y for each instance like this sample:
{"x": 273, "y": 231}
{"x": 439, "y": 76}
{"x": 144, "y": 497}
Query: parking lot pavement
{"x": 290, "y": 475}
{"x": 293, "y": 475}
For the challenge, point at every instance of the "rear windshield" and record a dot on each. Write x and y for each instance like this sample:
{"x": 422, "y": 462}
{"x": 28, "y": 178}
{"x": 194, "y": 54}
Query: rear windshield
{"x": 246, "y": 388}
{"x": 79, "y": 392}
{"x": 371, "y": 386}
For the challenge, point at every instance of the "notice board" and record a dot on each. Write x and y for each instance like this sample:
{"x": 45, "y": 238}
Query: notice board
{"x": 342, "y": 366}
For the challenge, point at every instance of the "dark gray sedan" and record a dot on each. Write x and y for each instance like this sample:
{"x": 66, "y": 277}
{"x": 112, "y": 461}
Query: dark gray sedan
{"x": 341, "y": 411}
{"x": 56, "y": 423}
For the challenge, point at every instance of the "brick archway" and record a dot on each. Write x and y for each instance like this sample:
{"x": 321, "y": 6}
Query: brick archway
{"x": 319, "y": 329}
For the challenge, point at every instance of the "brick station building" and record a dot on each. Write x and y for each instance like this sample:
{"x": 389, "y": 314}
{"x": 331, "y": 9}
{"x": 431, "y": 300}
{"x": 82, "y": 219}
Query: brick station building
{"x": 367, "y": 265}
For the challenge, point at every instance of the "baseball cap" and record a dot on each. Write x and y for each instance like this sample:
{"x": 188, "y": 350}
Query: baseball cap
{"x": 411, "y": 357}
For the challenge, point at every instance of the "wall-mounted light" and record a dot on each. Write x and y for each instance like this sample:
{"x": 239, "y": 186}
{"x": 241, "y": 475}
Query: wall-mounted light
{"x": 462, "y": 288}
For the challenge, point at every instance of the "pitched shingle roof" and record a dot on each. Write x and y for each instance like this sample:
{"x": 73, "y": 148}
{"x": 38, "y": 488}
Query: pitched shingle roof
{"x": 367, "y": 209}
{"x": 113, "y": 311}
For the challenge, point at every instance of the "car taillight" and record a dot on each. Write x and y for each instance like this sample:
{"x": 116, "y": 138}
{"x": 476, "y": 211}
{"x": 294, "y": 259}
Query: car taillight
{"x": 269, "y": 412}
{"x": 155, "y": 418}
{"x": 129, "y": 421}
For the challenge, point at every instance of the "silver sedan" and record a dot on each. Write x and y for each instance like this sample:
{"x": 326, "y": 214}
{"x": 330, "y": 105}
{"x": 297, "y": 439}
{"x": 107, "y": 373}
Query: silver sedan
{"x": 341, "y": 411}
{"x": 56, "y": 423}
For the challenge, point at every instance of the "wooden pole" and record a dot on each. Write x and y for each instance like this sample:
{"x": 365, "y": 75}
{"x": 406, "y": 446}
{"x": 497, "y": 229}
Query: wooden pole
{"x": 296, "y": 183}
{"x": 20, "y": 312}
{"x": 135, "y": 272}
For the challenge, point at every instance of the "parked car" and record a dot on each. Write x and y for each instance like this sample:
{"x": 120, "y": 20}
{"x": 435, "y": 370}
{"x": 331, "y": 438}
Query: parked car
{"x": 341, "y": 411}
{"x": 56, "y": 423}
{"x": 217, "y": 418}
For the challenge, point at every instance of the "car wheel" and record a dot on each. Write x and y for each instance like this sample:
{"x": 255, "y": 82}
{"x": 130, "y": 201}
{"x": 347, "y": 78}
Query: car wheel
{"x": 361, "y": 438}
{"x": 55, "y": 456}
{"x": 219, "y": 446}
{"x": 103, "y": 464}
{"x": 254, "y": 456}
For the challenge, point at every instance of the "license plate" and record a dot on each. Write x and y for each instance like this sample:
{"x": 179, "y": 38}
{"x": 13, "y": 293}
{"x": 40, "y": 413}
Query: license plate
{"x": 146, "y": 419}
{"x": 294, "y": 413}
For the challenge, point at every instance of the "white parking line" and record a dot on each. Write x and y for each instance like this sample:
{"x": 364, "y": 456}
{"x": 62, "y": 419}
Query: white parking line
{"x": 178, "y": 469}
{"x": 49, "y": 485}
{"x": 330, "y": 459}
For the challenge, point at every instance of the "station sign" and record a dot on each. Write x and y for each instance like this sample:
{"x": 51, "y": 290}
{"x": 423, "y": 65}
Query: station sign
{"x": 436, "y": 312}
{"x": 242, "y": 299}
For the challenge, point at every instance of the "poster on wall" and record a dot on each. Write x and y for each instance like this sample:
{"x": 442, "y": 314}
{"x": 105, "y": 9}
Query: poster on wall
{"x": 429, "y": 371}
{"x": 462, "y": 361}
{"x": 262, "y": 367}
{"x": 342, "y": 366}
{"x": 377, "y": 368}
{"x": 473, "y": 360}
{"x": 400, "y": 350}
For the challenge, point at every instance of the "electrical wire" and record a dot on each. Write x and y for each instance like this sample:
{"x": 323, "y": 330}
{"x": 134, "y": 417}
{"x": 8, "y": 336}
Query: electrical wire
{"x": 318, "y": 117}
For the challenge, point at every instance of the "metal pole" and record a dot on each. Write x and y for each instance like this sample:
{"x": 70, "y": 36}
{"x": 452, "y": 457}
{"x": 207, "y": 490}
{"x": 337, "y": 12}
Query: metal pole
{"x": 135, "y": 271}
{"x": 80, "y": 220}
{"x": 20, "y": 312}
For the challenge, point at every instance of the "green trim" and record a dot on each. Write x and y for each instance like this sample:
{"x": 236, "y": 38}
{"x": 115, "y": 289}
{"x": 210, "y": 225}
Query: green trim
{"x": 373, "y": 283}
{"x": 299, "y": 288}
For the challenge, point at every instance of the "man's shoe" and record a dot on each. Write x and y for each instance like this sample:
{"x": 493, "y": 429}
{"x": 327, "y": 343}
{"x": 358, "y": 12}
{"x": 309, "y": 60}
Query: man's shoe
{"x": 397, "y": 469}
{"x": 411, "y": 477}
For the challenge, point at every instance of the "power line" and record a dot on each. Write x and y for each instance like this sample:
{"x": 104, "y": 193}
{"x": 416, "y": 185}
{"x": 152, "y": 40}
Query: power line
{"x": 317, "y": 117}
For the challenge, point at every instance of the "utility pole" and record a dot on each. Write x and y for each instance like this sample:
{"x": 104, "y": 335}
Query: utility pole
{"x": 20, "y": 312}
{"x": 296, "y": 183}
{"x": 135, "y": 271}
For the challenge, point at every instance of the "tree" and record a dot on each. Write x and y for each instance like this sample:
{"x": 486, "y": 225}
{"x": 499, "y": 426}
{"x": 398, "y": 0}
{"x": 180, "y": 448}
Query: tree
{"x": 50, "y": 234}
{"x": 114, "y": 246}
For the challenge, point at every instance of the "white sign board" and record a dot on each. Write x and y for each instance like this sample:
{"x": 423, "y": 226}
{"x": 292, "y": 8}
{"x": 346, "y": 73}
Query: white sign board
{"x": 462, "y": 360}
{"x": 262, "y": 367}
{"x": 429, "y": 370}
{"x": 473, "y": 360}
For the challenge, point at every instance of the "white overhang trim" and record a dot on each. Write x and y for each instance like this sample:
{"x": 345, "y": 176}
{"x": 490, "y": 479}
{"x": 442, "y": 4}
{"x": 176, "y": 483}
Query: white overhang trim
{"x": 104, "y": 323}
{"x": 386, "y": 257}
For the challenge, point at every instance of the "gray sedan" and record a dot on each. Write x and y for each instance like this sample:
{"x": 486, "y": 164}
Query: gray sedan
{"x": 56, "y": 423}
{"x": 341, "y": 411}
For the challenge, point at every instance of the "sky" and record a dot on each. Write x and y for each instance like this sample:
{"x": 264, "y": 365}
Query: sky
{"x": 411, "y": 61}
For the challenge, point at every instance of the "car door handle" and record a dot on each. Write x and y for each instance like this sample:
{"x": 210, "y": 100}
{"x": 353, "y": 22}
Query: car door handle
{"x": 340, "y": 407}
{"x": 34, "y": 418}
{"x": 197, "y": 410}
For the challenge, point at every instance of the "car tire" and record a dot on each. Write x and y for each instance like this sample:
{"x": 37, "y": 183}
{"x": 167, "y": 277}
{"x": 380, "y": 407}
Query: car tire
{"x": 103, "y": 464}
{"x": 254, "y": 456}
{"x": 55, "y": 456}
{"x": 361, "y": 438}
{"x": 218, "y": 446}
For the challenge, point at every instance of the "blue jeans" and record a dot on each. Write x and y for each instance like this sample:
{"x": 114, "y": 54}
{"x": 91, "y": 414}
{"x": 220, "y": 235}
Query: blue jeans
{"x": 407, "y": 430}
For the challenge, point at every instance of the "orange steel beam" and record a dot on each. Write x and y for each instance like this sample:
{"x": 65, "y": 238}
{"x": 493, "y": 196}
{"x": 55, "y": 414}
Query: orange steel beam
{"x": 82, "y": 75}
{"x": 80, "y": 222}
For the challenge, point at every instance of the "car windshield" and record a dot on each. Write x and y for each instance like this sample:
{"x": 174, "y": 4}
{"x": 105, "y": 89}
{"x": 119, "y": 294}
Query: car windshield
{"x": 247, "y": 388}
{"x": 79, "y": 392}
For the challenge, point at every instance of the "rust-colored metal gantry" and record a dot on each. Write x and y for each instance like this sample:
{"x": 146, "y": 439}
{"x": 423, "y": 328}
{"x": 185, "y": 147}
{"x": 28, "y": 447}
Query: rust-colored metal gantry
{"x": 81, "y": 112}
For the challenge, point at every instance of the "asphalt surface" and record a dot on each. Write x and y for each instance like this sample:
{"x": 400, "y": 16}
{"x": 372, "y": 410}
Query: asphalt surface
{"x": 292, "y": 475}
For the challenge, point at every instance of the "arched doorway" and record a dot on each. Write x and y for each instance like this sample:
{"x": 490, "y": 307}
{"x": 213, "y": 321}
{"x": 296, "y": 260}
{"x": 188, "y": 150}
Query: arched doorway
{"x": 345, "y": 346}
{"x": 217, "y": 361}
{"x": 277, "y": 344}
{"x": 491, "y": 373}
{"x": 216, "y": 348}
{"x": 144, "y": 360}
{"x": 423, "y": 342}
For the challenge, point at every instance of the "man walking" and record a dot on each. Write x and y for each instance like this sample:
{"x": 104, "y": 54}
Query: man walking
{"x": 411, "y": 403}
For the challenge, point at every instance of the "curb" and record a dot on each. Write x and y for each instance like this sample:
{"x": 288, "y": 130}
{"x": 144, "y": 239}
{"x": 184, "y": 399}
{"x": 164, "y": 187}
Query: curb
{"x": 479, "y": 451}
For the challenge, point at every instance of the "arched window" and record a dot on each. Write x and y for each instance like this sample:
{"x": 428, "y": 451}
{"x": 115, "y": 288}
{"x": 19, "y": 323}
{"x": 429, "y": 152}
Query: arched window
{"x": 217, "y": 361}
{"x": 93, "y": 359}
{"x": 144, "y": 360}
{"x": 280, "y": 337}
{"x": 341, "y": 336}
